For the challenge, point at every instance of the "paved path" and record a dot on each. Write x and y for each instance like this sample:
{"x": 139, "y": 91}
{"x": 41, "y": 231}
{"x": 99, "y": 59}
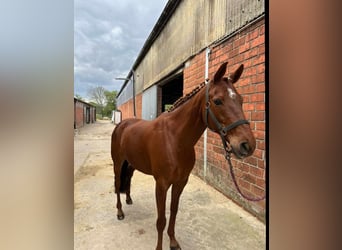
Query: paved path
{"x": 206, "y": 219}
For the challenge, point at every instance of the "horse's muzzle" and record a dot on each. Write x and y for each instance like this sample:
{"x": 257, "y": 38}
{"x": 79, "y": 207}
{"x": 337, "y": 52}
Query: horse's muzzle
{"x": 242, "y": 150}
{"x": 245, "y": 149}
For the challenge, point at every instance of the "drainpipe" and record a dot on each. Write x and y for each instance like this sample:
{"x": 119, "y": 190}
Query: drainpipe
{"x": 206, "y": 75}
{"x": 133, "y": 82}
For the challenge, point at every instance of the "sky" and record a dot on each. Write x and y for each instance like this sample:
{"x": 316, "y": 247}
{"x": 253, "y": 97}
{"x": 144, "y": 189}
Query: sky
{"x": 108, "y": 36}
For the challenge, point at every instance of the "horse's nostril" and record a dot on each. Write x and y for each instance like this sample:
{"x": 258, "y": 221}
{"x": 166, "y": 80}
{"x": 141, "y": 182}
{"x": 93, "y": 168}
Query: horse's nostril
{"x": 244, "y": 148}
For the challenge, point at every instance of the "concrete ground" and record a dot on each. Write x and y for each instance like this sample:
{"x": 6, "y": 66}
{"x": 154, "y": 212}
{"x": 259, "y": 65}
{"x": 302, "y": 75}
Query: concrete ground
{"x": 206, "y": 219}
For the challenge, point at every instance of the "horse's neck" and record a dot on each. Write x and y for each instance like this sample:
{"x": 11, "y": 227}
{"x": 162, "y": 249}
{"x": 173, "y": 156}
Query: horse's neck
{"x": 188, "y": 119}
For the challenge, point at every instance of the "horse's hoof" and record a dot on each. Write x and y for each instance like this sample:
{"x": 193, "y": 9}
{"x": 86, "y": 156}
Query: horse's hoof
{"x": 121, "y": 216}
{"x": 175, "y": 248}
{"x": 129, "y": 202}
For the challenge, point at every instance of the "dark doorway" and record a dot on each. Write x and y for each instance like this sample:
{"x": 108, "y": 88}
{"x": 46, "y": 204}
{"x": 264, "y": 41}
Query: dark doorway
{"x": 170, "y": 92}
{"x": 87, "y": 115}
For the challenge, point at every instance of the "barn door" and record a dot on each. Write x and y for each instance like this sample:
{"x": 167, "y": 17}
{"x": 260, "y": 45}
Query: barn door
{"x": 149, "y": 103}
{"x": 87, "y": 115}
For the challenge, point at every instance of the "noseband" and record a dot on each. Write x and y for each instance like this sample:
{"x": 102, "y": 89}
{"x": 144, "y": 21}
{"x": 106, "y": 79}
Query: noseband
{"x": 221, "y": 129}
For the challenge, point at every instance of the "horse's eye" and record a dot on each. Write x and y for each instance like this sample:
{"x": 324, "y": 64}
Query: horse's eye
{"x": 217, "y": 102}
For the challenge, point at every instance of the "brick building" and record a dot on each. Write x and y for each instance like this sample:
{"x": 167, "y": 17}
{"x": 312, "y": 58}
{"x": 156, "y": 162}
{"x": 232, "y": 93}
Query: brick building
{"x": 84, "y": 113}
{"x": 191, "y": 38}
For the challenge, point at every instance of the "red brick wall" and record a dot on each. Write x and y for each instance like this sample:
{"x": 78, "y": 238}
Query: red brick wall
{"x": 194, "y": 74}
{"x": 127, "y": 108}
{"x": 138, "y": 105}
{"x": 247, "y": 47}
{"x": 79, "y": 115}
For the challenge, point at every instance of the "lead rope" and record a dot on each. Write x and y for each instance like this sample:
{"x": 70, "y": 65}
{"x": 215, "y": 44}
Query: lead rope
{"x": 228, "y": 157}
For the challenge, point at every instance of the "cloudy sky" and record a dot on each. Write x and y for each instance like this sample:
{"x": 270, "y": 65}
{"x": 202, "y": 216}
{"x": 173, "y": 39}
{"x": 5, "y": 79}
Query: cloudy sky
{"x": 108, "y": 36}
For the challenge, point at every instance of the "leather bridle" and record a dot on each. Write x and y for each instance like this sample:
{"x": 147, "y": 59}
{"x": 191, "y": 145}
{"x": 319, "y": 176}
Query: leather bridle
{"x": 223, "y": 130}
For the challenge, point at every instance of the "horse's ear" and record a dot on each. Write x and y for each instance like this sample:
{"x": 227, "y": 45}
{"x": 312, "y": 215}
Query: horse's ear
{"x": 220, "y": 72}
{"x": 236, "y": 75}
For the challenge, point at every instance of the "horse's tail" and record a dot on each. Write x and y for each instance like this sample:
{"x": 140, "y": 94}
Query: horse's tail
{"x": 124, "y": 168}
{"x": 125, "y": 177}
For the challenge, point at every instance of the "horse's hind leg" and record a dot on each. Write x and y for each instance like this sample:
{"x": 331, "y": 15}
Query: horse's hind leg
{"x": 120, "y": 213}
{"x": 117, "y": 183}
{"x": 130, "y": 171}
{"x": 129, "y": 200}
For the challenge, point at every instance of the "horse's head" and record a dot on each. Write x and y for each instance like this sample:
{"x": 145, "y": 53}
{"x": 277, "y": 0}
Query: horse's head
{"x": 224, "y": 113}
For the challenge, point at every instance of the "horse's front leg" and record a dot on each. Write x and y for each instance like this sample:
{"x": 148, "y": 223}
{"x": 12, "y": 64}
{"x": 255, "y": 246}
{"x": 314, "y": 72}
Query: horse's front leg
{"x": 161, "y": 190}
{"x": 177, "y": 189}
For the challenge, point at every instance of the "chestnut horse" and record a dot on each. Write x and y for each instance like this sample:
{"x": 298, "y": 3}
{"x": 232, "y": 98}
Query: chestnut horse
{"x": 164, "y": 147}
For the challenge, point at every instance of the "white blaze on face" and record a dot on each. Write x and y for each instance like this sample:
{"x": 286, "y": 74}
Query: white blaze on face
{"x": 231, "y": 93}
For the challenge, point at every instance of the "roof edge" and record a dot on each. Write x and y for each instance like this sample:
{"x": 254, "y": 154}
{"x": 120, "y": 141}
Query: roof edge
{"x": 165, "y": 16}
{"x": 79, "y": 100}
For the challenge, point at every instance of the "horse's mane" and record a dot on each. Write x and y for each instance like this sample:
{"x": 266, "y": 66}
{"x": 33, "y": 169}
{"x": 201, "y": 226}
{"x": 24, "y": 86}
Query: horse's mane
{"x": 185, "y": 98}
